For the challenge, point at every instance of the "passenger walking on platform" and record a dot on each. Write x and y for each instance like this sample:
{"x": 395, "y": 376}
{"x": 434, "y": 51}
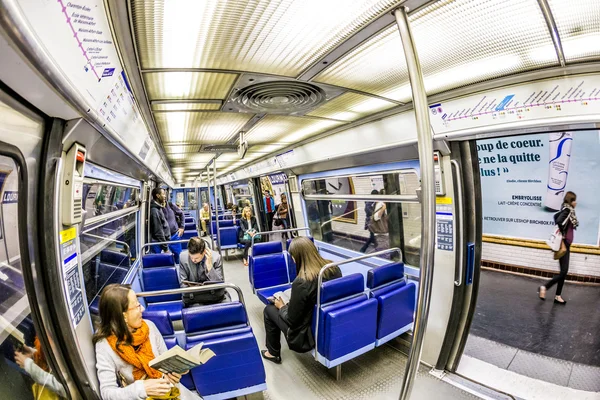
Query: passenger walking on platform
{"x": 566, "y": 219}
{"x": 295, "y": 318}
{"x": 248, "y": 229}
{"x": 176, "y": 220}
{"x": 159, "y": 228}
{"x": 204, "y": 218}
{"x": 269, "y": 204}
{"x": 369, "y": 209}
{"x": 125, "y": 344}
{"x": 199, "y": 264}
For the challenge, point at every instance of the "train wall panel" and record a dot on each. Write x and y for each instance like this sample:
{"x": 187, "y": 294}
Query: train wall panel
{"x": 580, "y": 264}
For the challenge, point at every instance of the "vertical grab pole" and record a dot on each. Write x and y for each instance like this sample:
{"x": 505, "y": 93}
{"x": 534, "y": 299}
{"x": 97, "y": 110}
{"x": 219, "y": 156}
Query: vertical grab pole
{"x": 216, "y": 204}
{"x": 209, "y": 227}
{"x": 425, "y": 146}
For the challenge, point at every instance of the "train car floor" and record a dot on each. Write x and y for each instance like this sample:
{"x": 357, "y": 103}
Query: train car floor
{"x": 376, "y": 375}
{"x": 510, "y": 312}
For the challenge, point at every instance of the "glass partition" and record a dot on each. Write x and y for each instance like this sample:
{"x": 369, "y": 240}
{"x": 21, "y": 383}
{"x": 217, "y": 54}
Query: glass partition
{"x": 366, "y": 226}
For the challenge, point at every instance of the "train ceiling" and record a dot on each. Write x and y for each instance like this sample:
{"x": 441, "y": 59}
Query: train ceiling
{"x": 282, "y": 71}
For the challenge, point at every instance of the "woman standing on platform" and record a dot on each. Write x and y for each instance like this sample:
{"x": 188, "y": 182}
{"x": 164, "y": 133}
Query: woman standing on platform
{"x": 566, "y": 219}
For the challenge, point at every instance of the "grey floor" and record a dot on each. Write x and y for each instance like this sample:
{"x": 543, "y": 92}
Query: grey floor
{"x": 374, "y": 375}
{"x": 549, "y": 369}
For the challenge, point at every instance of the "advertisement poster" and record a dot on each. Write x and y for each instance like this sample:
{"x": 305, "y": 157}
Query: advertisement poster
{"x": 524, "y": 179}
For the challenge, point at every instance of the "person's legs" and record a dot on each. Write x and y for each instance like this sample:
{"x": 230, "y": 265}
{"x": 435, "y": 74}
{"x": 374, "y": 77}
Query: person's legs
{"x": 175, "y": 247}
{"x": 564, "y": 270}
{"x": 203, "y": 225}
{"x": 370, "y": 240}
{"x": 246, "y": 248}
{"x": 274, "y": 325}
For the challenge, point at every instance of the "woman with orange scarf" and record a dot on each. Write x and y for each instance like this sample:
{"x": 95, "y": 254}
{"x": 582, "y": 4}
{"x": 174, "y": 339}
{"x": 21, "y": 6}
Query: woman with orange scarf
{"x": 125, "y": 344}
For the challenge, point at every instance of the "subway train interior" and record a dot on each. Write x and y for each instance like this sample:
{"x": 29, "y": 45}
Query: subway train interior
{"x": 441, "y": 154}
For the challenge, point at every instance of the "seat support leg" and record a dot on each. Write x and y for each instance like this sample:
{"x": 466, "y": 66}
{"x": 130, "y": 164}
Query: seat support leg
{"x": 336, "y": 372}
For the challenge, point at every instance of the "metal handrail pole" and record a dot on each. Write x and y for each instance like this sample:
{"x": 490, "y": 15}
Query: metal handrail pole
{"x": 283, "y": 231}
{"x": 335, "y": 264}
{"x": 428, "y": 224}
{"x": 109, "y": 240}
{"x": 209, "y": 227}
{"x": 196, "y": 289}
{"x": 459, "y": 202}
{"x": 216, "y": 204}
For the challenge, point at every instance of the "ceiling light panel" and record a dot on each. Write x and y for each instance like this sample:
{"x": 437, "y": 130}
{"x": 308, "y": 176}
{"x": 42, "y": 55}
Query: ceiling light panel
{"x": 181, "y": 149}
{"x": 350, "y": 107}
{"x": 186, "y": 106}
{"x": 204, "y": 127}
{"x": 578, "y": 24}
{"x": 285, "y": 129}
{"x": 281, "y": 37}
{"x": 188, "y": 85}
{"x": 459, "y": 42}
{"x": 265, "y": 148}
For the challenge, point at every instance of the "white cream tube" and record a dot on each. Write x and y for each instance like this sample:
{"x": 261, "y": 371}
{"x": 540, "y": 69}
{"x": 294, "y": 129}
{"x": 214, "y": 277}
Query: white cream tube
{"x": 558, "y": 168}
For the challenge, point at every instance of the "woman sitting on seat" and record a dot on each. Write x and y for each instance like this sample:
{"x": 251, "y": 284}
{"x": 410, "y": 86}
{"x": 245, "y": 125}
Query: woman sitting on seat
{"x": 248, "y": 229}
{"x": 295, "y": 318}
{"x": 125, "y": 344}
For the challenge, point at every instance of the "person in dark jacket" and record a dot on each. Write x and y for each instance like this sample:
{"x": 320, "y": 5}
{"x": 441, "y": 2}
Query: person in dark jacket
{"x": 175, "y": 219}
{"x": 566, "y": 219}
{"x": 159, "y": 228}
{"x": 248, "y": 229}
{"x": 295, "y": 318}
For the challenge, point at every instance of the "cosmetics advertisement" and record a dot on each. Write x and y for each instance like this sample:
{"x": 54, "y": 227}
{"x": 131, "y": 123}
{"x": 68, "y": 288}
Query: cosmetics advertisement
{"x": 525, "y": 178}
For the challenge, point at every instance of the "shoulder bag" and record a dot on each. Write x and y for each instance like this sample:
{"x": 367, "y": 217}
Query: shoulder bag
{"x": 381, "y": 226}
{"x": 555, "y": 241}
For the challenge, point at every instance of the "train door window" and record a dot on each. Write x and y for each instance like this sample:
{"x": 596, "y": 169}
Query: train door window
{"x": 23, "y": 364}
{"x": 366, "y": 226}
{"x": 191, "y": 199}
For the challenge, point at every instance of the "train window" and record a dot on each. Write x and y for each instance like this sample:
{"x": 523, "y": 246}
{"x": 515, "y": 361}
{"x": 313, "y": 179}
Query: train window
{"x": 366, "y": 226}
{"x": 23, "y": 363}
{"x": 104, "y": 198}
{"x": 108, "y": 252}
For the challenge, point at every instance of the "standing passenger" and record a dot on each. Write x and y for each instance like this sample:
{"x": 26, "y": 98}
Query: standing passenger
{"x": 204, "y": 218}
{"x": 283, "y": 214}
{"x": 295, "y": 318}
{"x": 159, "y": 228}
{"x": 269, "y": 204}
{"x": 248, "y": 229}
{"x": 125, "y": 344}
{"x": 175, "y": 220}
{"x": 567, "y": 223}
{"x": 369, "y": 209}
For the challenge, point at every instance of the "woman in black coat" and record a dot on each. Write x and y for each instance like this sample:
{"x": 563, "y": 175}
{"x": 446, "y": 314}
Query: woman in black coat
{"x": 295, "y": 318}
{"x": 248, "y": 229}
{"x": 567, "y": 222}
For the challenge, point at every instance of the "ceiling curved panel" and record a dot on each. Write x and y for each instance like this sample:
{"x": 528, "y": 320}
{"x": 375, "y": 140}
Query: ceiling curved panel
{"x": 281, "y": 37}
{"x": 285, "y": 129}
{"x": 578, "y": 24}
{"x": 350, "y": 107}
{"x": 200, "y": 127}
{"x": 459, "y": 42}
{"x": 188, "y": 85}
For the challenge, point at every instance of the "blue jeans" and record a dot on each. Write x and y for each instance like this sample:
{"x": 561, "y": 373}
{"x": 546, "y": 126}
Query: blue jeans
{"x": 175, "y": 247}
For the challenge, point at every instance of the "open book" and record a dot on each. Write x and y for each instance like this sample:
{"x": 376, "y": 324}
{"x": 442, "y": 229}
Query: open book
{"x": 179, "y": 360}
{"x": 285, "y": 296}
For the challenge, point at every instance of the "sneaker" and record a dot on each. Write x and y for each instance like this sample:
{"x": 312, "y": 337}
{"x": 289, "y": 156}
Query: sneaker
{"x": 542, "y": 291}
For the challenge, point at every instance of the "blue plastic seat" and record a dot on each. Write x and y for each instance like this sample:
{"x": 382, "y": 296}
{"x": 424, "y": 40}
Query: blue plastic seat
{"x": 261, "y": 249}
{"x": 347, "y": 321}
{"x": 189, "y": 220}
{"x": 395, "y": 298}
{"x": 237, "y": 370}
{"x": 162, "y": 278}
{"x": 268, "y": 270}
{"x": 188, "y": 235}
{"x": 189, "y": 226}
{"x": 163, "y": 322}
{"x": 115, "y": 258}
{"x": 158, "y": 260}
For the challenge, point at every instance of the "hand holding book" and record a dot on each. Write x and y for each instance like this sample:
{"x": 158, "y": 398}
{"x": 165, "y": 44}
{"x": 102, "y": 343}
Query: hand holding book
{"x": 180, "y": 361}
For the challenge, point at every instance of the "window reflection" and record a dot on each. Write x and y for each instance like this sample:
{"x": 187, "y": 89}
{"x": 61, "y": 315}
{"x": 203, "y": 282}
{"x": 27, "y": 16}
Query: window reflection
{"x": 366, "y": 226}
{"x": 101, "y": 198}
{"x": 23, "y": 362}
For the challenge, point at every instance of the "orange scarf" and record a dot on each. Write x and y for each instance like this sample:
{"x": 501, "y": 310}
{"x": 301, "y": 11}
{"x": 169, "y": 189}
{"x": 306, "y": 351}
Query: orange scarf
{"x": 138, "y": 359}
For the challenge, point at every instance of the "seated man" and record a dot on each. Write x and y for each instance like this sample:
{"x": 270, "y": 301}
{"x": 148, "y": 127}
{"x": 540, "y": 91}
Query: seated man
{"x": 199, "y": 264}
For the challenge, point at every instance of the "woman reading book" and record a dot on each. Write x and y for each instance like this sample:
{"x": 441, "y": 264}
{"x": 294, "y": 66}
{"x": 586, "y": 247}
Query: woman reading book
{"x": 125, "y": 344}
{"x": 294, "y": 318}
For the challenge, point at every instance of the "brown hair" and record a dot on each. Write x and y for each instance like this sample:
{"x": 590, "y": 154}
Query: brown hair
{"x": 308, "y": 260}
{"x": 569, "y": 198}
{"x": 114, "y": 301}
{"x": 196, "y": 245}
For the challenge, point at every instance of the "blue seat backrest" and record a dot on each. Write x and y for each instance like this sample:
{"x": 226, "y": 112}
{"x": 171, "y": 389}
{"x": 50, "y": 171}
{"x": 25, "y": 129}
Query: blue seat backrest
{"x": 189, "y": 219}
{"x": 161, "y": 319}
{"x": 160, "y": 278}
{"x": 261, "y": 249}
{"x": 158, "y": 260}
{"x": 289, "y": 242}
{"x": 386, "y": 273}
{"x": 228, "y": 223}
{"x": 114, "y": 257}
{"x": 189, "y": 226}
{"x": 218, "y": 316}
{"x": 229, "y": 235}
{"x": 340, "y": 288}
{"x": 269, "y": 270}
{"x": 291, "y": 266}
